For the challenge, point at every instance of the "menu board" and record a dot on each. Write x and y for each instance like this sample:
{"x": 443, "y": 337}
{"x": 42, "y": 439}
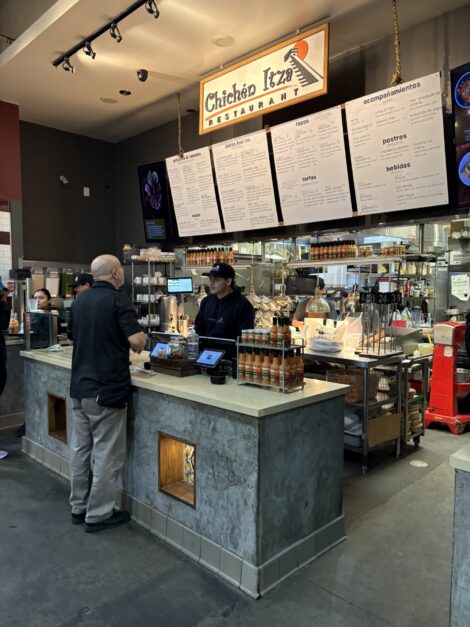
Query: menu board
{"x": 245, "y": 183}
{"x": 396, "y": 139}
{"x": 193, "y": 192}
{"x": 311, "y": 168}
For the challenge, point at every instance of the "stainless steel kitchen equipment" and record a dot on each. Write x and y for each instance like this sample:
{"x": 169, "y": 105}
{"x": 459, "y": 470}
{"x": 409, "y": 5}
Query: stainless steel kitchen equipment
{"x": 168, "y": 311}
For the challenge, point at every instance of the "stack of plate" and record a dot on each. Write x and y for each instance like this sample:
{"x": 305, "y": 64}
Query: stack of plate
{"x": 325, "y": 345}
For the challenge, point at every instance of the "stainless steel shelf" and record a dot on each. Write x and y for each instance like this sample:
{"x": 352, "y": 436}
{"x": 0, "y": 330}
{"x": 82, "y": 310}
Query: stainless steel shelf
{"x": 374, "y": 404}
{"x": 235, "y": 266}
{"x": 346, "y": 261}
{"x": 140, "y": 262}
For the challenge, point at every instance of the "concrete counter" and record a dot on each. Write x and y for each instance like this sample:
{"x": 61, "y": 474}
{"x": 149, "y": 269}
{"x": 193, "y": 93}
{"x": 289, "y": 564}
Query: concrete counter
{"x": 460, "y": 595}
{"x": 243, "y": 399}
{"x": 268, "y": 471}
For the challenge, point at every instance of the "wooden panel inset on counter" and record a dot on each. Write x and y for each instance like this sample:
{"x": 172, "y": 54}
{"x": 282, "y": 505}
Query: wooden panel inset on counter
{"x": 57, "y": 417}
{"x": 177, "y": 468}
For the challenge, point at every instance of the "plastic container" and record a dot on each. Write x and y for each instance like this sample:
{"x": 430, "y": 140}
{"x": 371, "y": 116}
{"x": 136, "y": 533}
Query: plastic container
{"x": 193, "y": 344}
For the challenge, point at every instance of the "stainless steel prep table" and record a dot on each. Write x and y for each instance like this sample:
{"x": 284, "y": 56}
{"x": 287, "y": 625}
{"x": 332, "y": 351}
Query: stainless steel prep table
{"x": 344, "y": 358}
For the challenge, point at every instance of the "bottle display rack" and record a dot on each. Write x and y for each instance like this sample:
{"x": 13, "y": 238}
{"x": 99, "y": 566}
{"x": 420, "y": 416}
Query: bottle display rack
{"x": 285, "y": 377}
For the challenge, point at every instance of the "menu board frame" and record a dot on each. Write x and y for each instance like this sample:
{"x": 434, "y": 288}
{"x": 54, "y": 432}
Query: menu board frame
{"x": 415, "y": 147}
{"x": 309, "y": 171}
{"x": 235, "y": 146}
{"x": 203, "y": 153}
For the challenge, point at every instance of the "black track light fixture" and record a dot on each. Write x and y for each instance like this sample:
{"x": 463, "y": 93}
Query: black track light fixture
{"x": 110, "y": 26}
{"x": 67, "y": 66}
{"x": 115, "y": 33}
{"x": 88, "y": 50}
{"x": 152, "y": 8}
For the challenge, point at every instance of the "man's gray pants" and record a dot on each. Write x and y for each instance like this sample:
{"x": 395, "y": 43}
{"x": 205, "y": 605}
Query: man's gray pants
{"x": 103, "y": 431}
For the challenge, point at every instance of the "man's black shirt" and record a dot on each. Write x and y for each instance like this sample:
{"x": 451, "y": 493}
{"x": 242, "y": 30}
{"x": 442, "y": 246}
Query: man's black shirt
{"x": 225, "y": 317}
{"x": 101, "y": 320}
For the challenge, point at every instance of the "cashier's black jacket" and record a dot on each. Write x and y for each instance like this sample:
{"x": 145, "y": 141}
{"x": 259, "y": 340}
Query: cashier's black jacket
{"x": 101, "y": 320}
{"x": 225, "y": 317}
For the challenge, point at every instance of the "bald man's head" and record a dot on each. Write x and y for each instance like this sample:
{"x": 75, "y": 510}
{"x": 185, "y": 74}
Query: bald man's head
{"x": 108, "y": 268}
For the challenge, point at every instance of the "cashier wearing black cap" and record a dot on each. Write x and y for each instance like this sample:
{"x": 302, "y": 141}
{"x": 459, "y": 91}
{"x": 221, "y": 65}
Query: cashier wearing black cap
{"x": 225, "y": 311}
{"x": 82, "y": 282}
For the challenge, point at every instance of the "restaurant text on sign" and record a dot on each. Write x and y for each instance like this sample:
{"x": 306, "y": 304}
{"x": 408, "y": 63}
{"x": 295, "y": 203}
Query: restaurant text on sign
{"x": 287, "y": 73}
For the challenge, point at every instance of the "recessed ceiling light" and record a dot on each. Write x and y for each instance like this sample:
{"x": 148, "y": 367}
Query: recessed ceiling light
{"x": 108, "y": 100}
{"x": 223, "y": 40}
{"x": 125, "y": 92}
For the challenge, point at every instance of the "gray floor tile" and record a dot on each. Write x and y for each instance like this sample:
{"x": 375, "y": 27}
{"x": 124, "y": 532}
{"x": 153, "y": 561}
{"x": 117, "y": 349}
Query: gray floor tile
{"x": 393, "y": 569}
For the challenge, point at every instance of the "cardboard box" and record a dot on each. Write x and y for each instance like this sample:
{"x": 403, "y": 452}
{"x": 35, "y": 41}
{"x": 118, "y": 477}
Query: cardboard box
{"x": 384, "y": 429}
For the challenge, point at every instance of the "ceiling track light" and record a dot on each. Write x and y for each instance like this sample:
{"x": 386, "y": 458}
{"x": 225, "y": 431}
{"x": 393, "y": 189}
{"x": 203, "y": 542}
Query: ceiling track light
{"x": 88, "y": 50}
{"x": 152, "y": 8}
{"x": 67, "y": 66}
{"x": 115, "y": 33}
{"x": 111, "y": 26}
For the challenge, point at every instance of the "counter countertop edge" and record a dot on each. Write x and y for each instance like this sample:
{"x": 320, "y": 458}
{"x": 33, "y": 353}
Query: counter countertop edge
{"x": 460, "y": 460}
{"x": 263, "y": 402}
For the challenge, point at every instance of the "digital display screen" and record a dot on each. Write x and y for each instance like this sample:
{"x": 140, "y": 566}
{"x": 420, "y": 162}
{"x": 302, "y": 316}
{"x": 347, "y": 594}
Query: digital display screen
{"x": 460, "y": 81}
{"x": 160, "y": 350}
{"x": 180, "y": 285}
{"x": 155, "y": 202}
{"x": 209, "y": 358}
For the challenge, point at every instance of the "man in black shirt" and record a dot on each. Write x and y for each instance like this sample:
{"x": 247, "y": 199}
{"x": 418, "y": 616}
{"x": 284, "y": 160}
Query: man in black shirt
{"x": 104, "y": 326}
{"x": 225, "y": 312}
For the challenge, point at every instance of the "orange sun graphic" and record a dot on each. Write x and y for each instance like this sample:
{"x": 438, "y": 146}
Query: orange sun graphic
{"x": 302, "y": 49}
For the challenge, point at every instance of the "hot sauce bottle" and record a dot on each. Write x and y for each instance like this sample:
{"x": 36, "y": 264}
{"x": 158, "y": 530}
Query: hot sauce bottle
{"x": 274, "y": 373}
{"x": 257, "y": 368}
{"x": 266, "y": 369}
{"x": 241, "y": 364}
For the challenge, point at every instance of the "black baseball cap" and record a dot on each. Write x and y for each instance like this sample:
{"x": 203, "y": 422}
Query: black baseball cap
{"x": 82, "y": 278}
{"x": 221, "y": 270}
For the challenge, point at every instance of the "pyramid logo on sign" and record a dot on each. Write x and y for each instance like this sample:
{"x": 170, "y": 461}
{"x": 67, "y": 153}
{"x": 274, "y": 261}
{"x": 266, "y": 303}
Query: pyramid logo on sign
{"x": 306, "y": 74}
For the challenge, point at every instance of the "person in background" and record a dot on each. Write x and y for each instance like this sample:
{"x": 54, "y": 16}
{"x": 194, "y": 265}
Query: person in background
{"x": 43, "y": 296}
{"x": 104, "y": 327}
{"x": 82, "y": 282}
{"x": 301, "y": 310}
{"x": 4, "y": 323}
{"x": 40, "y": 325}
{"x": 225, "y": 311}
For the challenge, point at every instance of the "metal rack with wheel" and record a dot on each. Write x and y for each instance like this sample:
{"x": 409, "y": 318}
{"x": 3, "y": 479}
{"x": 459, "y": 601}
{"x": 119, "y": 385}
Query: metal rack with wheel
{"x": 374, "y": 430}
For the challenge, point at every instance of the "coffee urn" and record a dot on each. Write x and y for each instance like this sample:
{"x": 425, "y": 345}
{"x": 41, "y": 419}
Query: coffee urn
{"x": 168, "y": 311}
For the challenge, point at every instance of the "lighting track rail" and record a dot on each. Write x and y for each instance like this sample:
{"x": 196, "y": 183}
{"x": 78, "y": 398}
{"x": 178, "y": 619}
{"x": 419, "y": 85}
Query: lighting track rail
{"x": 85, "y": 43}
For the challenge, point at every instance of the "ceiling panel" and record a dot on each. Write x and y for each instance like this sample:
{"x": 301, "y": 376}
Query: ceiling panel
{"x": 176, "y": 49}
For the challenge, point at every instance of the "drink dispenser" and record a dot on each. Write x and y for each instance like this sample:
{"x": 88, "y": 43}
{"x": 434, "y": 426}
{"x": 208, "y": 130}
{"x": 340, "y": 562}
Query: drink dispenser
{"x": 168, "y": 311}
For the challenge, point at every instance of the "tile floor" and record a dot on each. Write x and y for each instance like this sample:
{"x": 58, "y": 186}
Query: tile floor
{"x": 394, "y": 568}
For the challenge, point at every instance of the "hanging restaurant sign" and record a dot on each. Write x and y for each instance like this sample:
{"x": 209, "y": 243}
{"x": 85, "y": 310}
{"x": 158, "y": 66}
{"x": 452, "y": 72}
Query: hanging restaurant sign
{"x": 292, "y": 71}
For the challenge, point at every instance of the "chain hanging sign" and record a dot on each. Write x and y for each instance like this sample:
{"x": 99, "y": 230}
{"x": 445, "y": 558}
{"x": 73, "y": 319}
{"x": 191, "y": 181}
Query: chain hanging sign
{"x": 292, "y": 71}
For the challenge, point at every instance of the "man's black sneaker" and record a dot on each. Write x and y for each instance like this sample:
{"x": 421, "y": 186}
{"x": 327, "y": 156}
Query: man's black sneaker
{"x": 115, "y": 520}
{"x": 78, "y": 519}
